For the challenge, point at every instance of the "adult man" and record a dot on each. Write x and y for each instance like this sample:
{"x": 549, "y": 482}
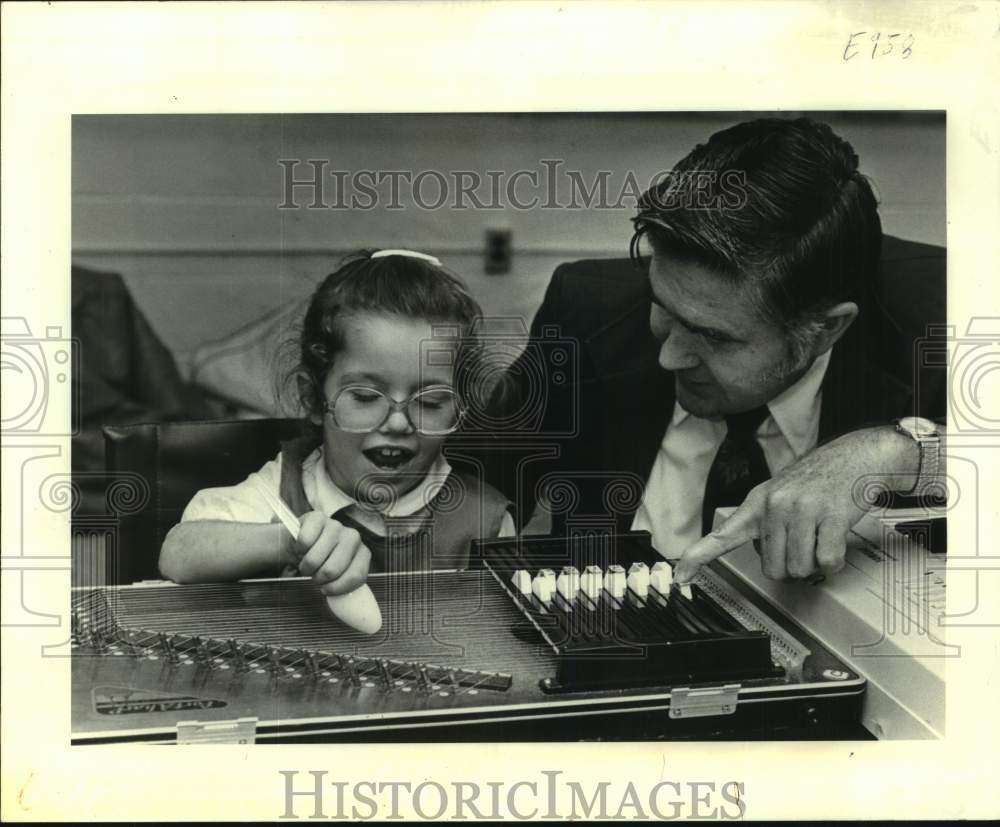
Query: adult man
{"x": 761, "y": 325}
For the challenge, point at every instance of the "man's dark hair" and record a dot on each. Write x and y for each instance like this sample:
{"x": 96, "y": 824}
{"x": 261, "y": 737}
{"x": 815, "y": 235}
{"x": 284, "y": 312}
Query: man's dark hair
{"x": 776, "y": 205}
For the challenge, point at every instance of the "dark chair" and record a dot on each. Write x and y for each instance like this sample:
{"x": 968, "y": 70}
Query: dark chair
{"x": 125, "y": 374}
{"x": 160, "y": 466}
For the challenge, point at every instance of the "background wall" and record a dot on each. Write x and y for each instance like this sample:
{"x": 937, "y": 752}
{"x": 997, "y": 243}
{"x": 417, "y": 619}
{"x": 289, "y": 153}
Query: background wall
{"x": 186, "y": 208}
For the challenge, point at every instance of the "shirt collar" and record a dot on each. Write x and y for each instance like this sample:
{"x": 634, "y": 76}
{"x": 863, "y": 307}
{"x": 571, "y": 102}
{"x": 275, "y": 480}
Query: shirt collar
{"x": 793, "y": 409}
{"x": 326, "y": 496}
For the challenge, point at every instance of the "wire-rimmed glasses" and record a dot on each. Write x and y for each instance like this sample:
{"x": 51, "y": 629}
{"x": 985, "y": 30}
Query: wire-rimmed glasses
{"x": 361, "y": 410}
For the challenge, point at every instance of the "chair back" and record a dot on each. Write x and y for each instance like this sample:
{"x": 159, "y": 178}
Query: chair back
{"x": 172, "y": 461}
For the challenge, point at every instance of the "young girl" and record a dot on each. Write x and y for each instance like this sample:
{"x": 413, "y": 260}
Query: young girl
{"x": 386, "y": 357}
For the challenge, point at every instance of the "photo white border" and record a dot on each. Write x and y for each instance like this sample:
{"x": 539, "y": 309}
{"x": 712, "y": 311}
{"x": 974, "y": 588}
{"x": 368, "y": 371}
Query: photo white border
{"x": 62, "y": 59}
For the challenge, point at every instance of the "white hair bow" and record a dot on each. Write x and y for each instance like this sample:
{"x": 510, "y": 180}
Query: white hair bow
{"x": 408, "y": 254}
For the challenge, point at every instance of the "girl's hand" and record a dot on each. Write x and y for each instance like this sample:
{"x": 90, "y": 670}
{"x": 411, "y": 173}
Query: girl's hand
{"x": 331, "y": 554}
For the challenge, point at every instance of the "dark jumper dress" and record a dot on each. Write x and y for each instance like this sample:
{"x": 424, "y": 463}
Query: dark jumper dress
{"x": 437, "y": 537}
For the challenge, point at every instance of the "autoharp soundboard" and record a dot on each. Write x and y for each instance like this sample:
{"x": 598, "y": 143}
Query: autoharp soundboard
{"x": 544, "y": 638}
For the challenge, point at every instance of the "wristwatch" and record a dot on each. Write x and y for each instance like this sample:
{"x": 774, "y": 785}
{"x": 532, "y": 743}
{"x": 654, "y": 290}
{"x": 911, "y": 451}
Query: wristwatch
{"x": 928, "y": 438}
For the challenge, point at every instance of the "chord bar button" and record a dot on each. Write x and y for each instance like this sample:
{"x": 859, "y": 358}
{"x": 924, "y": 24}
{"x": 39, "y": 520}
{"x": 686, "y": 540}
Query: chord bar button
{"x": 568, "y": 583}
{"x": 591, "y": 584}
{"x": 522, "y": 581}
{"x": 544, "y": 586}
{"x": 638, "y": 579}
{"x": 615, "y": 581}
{"x": 661, "y": 577}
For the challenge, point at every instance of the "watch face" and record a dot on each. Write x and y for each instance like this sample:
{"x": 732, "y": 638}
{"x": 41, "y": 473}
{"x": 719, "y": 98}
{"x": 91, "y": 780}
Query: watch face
{"x": 918, "y": 426}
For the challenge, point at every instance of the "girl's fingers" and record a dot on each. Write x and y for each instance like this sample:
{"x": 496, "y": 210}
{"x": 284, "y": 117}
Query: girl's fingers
{"x": 319, "y": 552}
{"x": 310, "y": 528}
{"x": 337, "y": 562}
{"x": 354, "y": 575}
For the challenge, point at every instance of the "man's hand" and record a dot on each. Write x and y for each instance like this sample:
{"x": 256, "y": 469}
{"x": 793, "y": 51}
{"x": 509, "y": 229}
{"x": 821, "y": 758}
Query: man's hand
{"x": 331, "y": 554}
{"x": 799, "y": 519}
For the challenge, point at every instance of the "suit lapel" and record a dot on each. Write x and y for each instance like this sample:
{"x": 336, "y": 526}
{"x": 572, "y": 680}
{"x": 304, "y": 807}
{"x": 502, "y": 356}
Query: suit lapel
{"x": 857, "y": 392}
{"x": 637, "y": 399}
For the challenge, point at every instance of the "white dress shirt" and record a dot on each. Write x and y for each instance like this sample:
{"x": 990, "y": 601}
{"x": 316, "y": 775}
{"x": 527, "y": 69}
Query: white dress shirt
{"x": 245, "y": 504}
{"x": 671, "y": 504}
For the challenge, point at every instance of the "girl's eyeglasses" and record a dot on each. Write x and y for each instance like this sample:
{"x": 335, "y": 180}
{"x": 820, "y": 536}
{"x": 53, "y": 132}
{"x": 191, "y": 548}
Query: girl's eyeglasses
{"x": 361, "y": 410}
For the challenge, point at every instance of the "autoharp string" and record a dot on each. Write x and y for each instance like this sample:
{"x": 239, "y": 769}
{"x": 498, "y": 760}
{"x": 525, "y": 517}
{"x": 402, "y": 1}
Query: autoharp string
{"x": 267, "y": 620}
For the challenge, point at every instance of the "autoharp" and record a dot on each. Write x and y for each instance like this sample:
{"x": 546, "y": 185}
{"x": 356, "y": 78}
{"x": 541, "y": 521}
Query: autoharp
{"x": 542, "y": 638}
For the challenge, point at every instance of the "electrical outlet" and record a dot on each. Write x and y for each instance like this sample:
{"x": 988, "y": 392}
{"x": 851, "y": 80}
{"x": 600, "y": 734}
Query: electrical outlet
{"x": 498, "y": 251}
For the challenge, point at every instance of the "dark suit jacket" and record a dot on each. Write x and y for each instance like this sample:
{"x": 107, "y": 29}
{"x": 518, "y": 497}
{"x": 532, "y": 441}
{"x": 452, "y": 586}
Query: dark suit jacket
{"x": 617, "y": 400}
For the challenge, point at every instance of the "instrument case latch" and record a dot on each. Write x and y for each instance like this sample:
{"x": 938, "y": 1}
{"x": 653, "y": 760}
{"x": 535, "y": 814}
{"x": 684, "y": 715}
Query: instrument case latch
{"x": 702, "y": 703}
{"x": 239, "y": 731}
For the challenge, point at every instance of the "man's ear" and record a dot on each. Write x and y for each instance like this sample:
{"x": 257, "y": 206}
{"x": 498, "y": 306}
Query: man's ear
{"x": 308, "y": 399}
{"x": 834, "y": 324}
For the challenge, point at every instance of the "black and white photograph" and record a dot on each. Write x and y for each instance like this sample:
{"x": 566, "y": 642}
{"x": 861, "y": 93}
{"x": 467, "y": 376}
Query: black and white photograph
{"x": 460, "y": 395}
{"x": 589, "y": 458}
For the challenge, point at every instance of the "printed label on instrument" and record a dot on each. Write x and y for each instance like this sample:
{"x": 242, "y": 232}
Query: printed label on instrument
{"x": 124, "y": 700}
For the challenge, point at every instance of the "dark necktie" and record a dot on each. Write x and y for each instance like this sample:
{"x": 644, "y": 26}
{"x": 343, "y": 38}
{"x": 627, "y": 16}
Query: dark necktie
{"x": 738, "y": 466}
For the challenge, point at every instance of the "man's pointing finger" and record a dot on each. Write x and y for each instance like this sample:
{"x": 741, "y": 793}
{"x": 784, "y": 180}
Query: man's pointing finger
{"x": 741, "y": 526}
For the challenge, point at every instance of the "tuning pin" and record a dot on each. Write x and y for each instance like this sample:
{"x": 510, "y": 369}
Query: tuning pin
{"x": 661, "y": 577}
{"x": 568, "y": 583}
{"x": 592, "y": 582}
{"x": 237, "y": 656}
{"x": 614, "y": 581}
{"x": 522, "y": 581}
{"x": 310, "y": 664}
{"x": 99, "y": 643}
{"x": 352, "y": 671}
{"x": 544, "y": 585}
{"x": 133, "y": 649}
{"x": 201, "y": 652}
{"x": 638, "y": 579}
{"x": 168, "y": 649}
